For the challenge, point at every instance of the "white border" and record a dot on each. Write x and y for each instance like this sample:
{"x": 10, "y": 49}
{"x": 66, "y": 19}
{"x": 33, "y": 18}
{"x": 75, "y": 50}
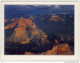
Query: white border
{"x": 42, "y": 57}
{"x": 39, "y": 0}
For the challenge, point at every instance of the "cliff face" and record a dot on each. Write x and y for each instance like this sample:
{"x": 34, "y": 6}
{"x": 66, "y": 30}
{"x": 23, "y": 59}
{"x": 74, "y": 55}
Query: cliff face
{"x": 25, "y": 31}
{"x": 19, "y": 35}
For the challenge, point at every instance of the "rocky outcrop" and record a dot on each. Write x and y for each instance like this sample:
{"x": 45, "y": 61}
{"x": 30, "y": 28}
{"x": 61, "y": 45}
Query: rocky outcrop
{"x": 19, "y": 35}
{"x": 22, "y": 22}
{"x": 11, "y": 25}
{"x": 39, "y": 36}
{"x": 56, "y": 18}
{"x": 12, "y": 20}
{"x": 24, "y": 36}
{"x": 25, "y": 31}
{"x": 61, "y": 49}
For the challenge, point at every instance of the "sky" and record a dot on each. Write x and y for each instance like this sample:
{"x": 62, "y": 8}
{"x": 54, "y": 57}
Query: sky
{"x": 38, "y": 9}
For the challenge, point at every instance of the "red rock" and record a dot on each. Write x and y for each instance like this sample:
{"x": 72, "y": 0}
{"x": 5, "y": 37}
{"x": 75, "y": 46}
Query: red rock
{"x": 56, "y": 18}
{"x": 22, "y": 22}
{"x": 23, "y": 36}
{"x": 13, "y": 20}
{"x": 20, "y": 28}
{"x": 6, "y": 27}
{"x": 12, "y": 25}
{"x": 28, "y": 53}
{"x": 19, "y": 35}
{"x": 61, "y": 49}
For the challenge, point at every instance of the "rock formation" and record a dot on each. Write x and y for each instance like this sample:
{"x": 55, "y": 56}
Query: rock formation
{"x": 12, "y": 20}
{"x": 11, "y": 25}
{"x": 19, "y": 35}
{"x": 25, "y": 31}
{"x": 61, "y": 49}
{"x": 56, "y": 18}
{"x": 26, "y": 34}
